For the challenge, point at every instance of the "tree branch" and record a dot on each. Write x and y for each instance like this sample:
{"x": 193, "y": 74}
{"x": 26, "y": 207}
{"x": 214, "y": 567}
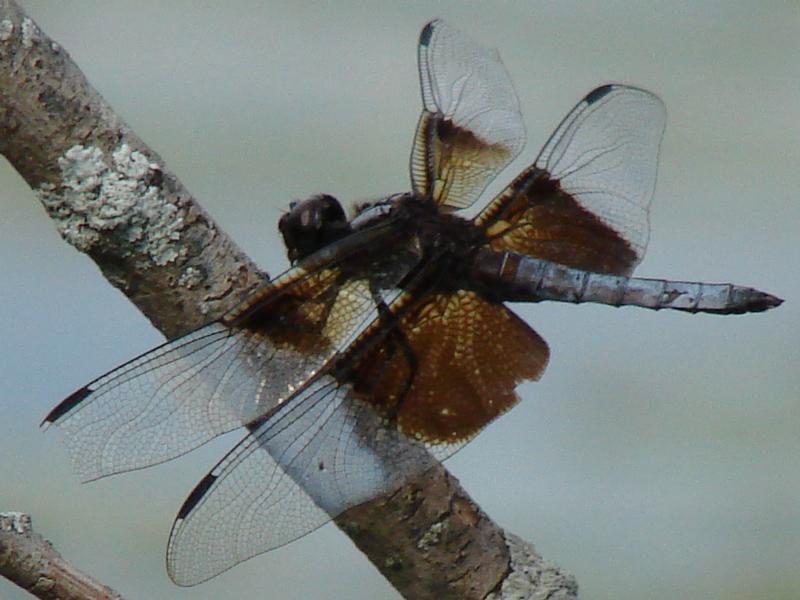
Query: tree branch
{"x": 112, "y": 197}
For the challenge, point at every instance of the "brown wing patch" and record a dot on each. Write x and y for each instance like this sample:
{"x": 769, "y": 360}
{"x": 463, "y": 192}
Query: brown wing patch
{"x": 451, "y": 164}
{"x": 450, "y": 367}
{"x": 534, "y": 216}
{"x": 293, "y": 311}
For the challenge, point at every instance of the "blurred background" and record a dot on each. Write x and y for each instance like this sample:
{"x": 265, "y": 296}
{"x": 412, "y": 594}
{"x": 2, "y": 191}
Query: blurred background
{"x": 658, "y": 458}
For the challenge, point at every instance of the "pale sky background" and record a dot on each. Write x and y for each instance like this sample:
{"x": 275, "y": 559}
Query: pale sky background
{"x": 658, "y": 458}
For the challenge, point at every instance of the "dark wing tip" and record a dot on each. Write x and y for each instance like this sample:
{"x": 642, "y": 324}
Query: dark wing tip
{"x": 197, "y": 494}
{"x": 65, "y": 406}
{"x": 598, "y": 93}
{"x": 427, "y": 32}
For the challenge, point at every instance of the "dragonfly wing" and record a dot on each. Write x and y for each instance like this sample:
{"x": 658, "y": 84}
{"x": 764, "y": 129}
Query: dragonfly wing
{"x": 471, "y": 126}
{"x": 222, "y": 376}
{"x": 585, "y": 201}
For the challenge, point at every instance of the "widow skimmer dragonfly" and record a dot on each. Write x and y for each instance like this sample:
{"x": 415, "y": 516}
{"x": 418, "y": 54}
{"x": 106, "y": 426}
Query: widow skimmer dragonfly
{"x": 387, "y": 346}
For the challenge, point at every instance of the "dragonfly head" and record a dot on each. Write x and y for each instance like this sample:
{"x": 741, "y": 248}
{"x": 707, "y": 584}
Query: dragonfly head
{"x": 312, "y": 224}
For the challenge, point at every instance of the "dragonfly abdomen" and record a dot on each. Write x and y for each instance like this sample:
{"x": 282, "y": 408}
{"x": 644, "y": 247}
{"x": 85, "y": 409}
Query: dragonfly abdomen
{"x": 515, "y": 277}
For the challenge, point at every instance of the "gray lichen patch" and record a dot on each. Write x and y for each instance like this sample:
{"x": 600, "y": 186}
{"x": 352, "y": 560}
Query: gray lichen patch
{"x": 190, "y": 278}
{"x": 100, "y": 194}
{"x": 6, "y": 29}
{"x": 533, "y": 578}
{"x": 431, "y": 537}
{"x": 30, "y": 33}
{"x": 15, "y": 521}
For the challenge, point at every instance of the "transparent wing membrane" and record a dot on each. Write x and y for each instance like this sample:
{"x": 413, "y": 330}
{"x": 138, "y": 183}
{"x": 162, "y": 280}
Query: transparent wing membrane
{"x": 318, "y": 456}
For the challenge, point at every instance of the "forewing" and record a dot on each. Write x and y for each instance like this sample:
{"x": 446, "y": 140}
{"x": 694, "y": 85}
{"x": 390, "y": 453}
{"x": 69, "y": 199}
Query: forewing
{"x": 585, "y": 201}
{"x": 471, "y": 126}
{"x": 316, "y": 456}
{"x": 450, "y": 367}
{"x": 220, "y": 377}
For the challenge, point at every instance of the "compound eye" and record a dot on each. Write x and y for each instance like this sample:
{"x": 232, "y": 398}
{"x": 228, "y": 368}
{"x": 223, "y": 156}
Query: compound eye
{"x": 332, "y": 209}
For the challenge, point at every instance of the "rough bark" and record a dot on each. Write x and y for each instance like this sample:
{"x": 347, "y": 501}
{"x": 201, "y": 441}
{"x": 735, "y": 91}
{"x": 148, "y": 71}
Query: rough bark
{"x": 112, "y": 197}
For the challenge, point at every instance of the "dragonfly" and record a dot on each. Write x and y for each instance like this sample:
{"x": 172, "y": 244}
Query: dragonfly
{"x": 387, "y": 345}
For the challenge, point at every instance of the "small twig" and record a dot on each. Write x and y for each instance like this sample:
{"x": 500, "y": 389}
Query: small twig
{"x": 30, "y": 561}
